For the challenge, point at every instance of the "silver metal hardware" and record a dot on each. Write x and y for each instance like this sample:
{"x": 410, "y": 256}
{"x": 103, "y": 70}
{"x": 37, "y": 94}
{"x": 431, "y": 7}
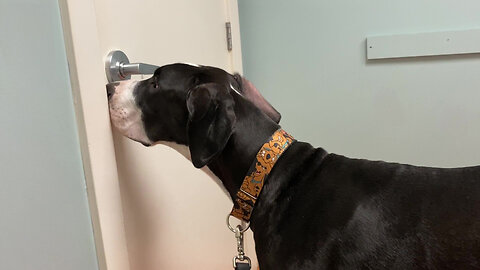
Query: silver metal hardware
{"x": 248, "y": 194}
{"x": 239, "y": 230}
{"x": 240, "y": 248}
{"x": 246, "y": 225}
{"x": 228, "y": 27}
{"x": 235, "y": 260}
{"x": 119, "y": 68}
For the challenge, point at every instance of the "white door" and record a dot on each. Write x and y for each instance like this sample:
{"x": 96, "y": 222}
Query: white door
{"x": 174, "y": 214}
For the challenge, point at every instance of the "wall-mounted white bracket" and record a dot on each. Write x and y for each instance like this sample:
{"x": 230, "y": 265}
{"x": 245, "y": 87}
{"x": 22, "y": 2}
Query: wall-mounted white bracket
{"x": 423, "y": 44}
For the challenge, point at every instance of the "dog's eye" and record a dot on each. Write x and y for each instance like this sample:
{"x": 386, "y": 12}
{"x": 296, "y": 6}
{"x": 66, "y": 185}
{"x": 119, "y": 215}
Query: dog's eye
{"x": 195, "y": 81}
{"x": 155, "y": 84}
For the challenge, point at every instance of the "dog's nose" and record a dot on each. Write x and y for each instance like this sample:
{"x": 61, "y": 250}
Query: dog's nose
{"x": 111, "y": 89}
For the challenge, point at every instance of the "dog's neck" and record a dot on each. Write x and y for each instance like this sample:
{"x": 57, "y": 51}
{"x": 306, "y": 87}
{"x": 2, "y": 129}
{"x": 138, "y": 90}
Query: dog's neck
{"x": 252, "y": 130}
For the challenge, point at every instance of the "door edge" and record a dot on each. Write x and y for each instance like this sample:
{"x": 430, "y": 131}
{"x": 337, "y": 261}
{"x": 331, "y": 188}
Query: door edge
{"x": 87, "y": 79}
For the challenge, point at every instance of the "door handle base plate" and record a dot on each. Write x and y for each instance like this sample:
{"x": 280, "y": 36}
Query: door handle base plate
{"x": 113, "y": 64}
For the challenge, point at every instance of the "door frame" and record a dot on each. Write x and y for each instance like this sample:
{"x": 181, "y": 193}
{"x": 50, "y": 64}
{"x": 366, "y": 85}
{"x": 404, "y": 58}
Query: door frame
{"x": 87, "y": 76}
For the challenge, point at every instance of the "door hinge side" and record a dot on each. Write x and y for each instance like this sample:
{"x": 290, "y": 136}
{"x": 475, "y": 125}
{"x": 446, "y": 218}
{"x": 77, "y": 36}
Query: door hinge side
{"x": 228, "y": 27}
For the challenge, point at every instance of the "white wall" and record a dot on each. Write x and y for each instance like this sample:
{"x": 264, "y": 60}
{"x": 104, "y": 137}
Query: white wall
{"x": 309, "y": 59}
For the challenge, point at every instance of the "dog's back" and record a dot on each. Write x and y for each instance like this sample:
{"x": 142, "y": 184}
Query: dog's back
{"x": 364, "y": 214}
{"x": 411, "y": 217}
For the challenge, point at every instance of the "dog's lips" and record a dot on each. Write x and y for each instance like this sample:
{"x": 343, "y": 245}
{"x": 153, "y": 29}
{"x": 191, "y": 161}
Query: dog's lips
{"x": 144, "y": 143}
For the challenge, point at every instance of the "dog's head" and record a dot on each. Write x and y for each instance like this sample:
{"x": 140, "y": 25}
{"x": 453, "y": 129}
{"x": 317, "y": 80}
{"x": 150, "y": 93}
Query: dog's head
{"x": 185, "y": 104}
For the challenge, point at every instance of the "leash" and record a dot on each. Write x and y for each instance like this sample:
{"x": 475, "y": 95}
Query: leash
{"x": 251, "y": 187}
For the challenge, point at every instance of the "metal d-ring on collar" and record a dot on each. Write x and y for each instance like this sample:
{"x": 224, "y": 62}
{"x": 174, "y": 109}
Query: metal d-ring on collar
{"x": 242, "y": 230}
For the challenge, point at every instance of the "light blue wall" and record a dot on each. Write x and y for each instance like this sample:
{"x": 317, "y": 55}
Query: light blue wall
{"x": 308, "y": 57}
{"x": 44, "y": 215}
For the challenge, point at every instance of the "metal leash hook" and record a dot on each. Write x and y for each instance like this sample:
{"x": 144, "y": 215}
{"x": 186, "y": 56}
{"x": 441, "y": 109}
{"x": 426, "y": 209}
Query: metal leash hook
{"x": 241, "y": 261}
{"x": 241, "y": 252}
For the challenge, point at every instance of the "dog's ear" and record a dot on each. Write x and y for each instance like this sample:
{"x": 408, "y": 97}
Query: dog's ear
{"x": 211, "y": 118}
{"x": 250, "y": 92}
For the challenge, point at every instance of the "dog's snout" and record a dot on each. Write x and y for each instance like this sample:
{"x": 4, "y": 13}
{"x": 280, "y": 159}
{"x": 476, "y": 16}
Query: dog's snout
{"x": 111, "y": 89}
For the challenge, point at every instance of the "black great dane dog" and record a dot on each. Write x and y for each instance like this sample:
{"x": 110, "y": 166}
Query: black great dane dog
{"x": 316, "y": 210}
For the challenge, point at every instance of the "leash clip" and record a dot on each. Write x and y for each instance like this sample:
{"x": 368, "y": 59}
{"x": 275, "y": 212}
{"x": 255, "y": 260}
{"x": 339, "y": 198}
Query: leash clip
{"x": 240, "y": 258}
{"x": 240, "y": 248}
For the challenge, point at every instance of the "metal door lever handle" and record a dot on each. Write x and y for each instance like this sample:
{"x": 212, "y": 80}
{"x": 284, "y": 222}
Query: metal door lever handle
{"x": 118, "y": 67}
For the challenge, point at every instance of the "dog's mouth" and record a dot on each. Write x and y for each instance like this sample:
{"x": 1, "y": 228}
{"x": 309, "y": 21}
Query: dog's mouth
{"x": 130, "y": 126}
{"x": 143, "y": 143}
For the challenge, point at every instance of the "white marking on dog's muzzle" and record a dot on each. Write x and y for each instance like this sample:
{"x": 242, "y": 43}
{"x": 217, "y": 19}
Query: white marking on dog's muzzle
{"x": 125, "y": 114}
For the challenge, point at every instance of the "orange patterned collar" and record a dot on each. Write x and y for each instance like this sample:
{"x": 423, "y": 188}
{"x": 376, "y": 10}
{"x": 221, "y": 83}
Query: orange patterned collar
{"x": 253, "y": 183}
